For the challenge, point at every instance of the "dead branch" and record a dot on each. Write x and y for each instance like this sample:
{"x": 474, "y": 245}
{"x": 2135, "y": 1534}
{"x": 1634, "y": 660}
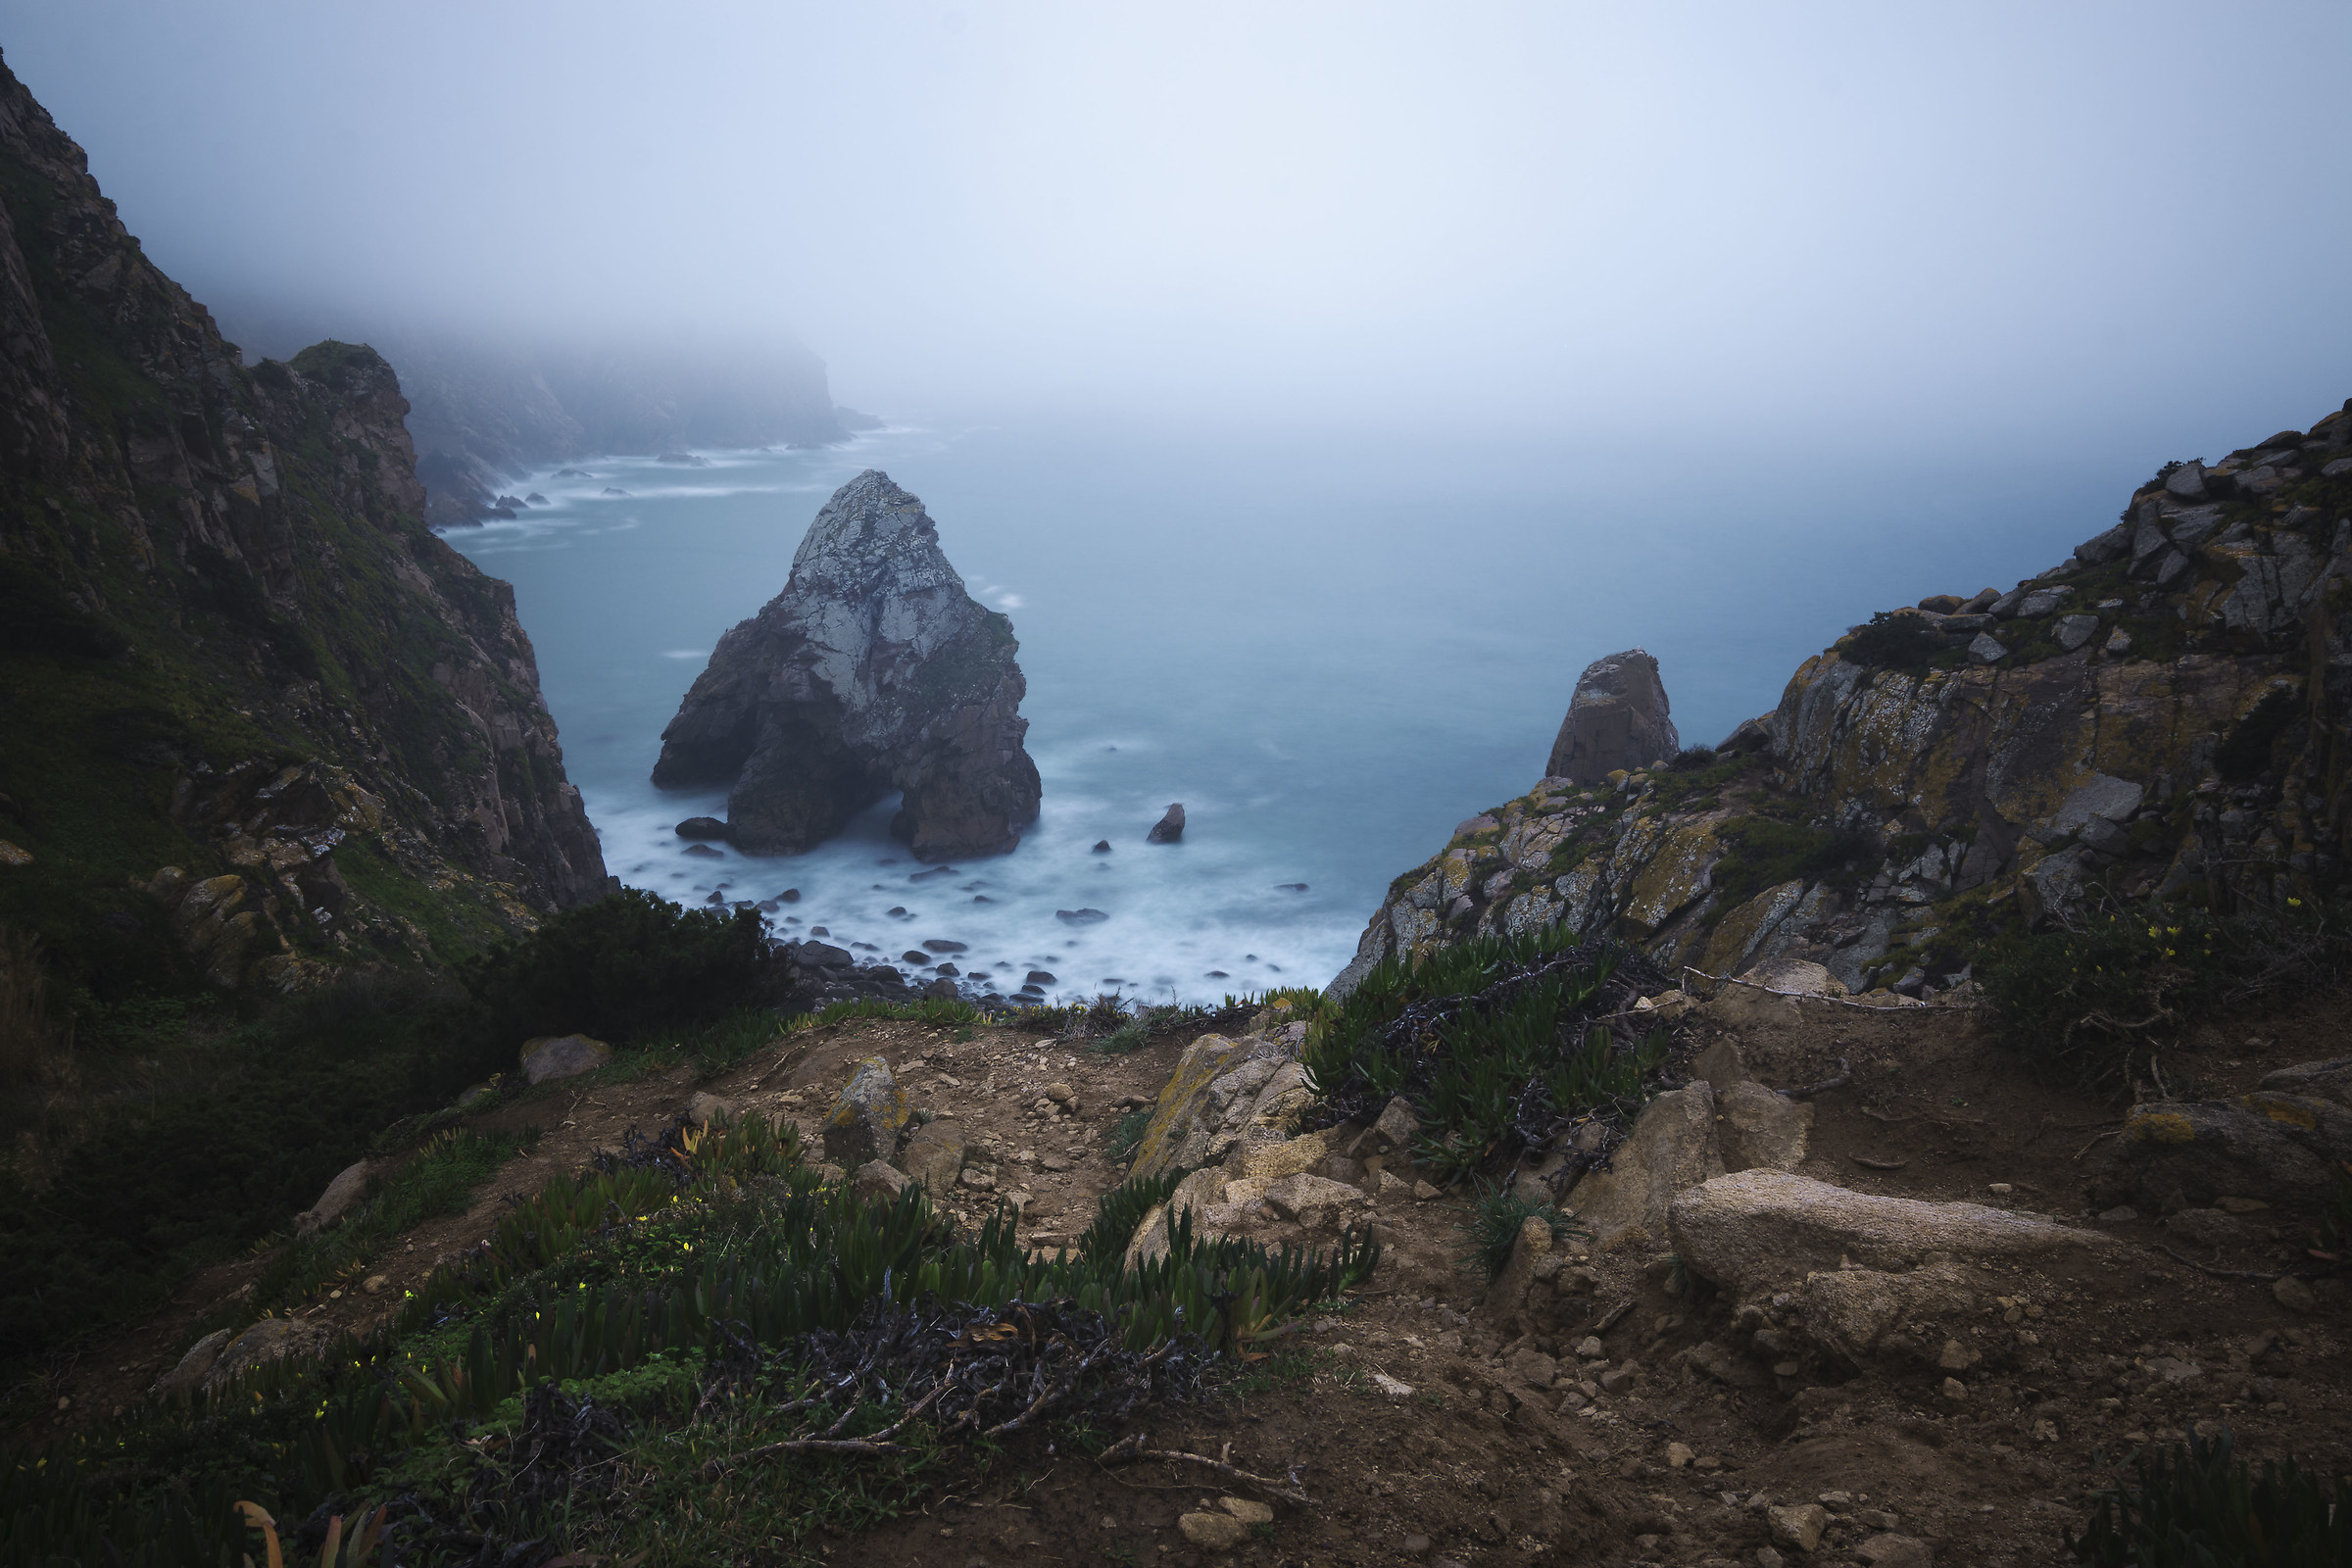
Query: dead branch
{"x": 1807, "y": 995}
{"x": 2220, "y": 1273}
{"x": 1131, "y": 1446}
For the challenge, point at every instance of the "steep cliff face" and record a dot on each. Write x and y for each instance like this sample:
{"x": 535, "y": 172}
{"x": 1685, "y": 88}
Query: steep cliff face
{"x": 2164, "y": 715}
{"x": 255, "y": 712}
{"x": 872, "y": 670}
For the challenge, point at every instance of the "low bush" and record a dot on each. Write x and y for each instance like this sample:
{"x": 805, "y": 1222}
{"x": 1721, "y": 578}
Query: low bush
{"x": 1498, "y": 1043}
{"x": 2198, "y": 1505}
{"x": 619, "y": 969}
{"x": 1892, "y": 639}
{"x": 1764, "y": 852}
{"x": 2098, "y": 1000}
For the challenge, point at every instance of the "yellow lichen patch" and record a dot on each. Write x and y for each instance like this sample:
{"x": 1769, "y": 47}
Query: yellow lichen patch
{"x": 2293, "y": 1112}
{"x": 1675, "y": 875}
{"x": 2160, "y": 1127}
{"x": 1201, "y": 1062}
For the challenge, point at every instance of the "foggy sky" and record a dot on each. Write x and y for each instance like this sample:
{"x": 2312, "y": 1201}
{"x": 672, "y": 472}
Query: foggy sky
{"x": 1934, "y": 226}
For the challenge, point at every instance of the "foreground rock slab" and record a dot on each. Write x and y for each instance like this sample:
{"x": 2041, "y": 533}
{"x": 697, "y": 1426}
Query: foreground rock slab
{"x": 1755, "y": 1227}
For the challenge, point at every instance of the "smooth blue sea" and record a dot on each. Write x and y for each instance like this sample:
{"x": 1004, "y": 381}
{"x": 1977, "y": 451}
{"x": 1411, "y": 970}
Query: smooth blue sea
{"x": 1329, "y": 649}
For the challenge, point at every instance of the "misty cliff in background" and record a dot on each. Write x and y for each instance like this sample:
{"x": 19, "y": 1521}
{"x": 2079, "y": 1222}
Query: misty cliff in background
{"x": 255, "y": 721}
{"x": 483, "y": 411}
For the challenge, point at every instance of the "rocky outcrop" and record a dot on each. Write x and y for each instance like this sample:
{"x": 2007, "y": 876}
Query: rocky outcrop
{"x": 1617, "y": 720}
{"x": 234, "y": 650}
{"x": 484, "y": 413}
{"x": 872, "y": 671}
{"x": 2161, "y": 715}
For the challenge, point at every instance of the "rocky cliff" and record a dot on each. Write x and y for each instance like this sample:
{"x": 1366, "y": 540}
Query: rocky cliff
{"x": 2163, "y": 714}
{"x": 258, "y": 719}
{"x": 485, "y": 412}
{"x": 873, "y": 670}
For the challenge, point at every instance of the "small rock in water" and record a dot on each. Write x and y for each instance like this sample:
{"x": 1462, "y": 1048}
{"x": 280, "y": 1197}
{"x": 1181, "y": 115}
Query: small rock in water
{"x": 1079, "y": 916}
{"x": 982, "y": 898}
{"x": 946, "y": 969}
{"x": 1216, "y": 974}
{"x": 915, "y": 956}
{"x": 1102, "y": 846}
{"x": 1290, "y": 887}
{"x": 706, "y": 852}
{"x": 1169, "y": 828}
{"x": 789, "y": 896}
{"x": 1039, "y": 977}
{"x": 899, "y": 909}
{"x": 701, "y": 827}
{"x": 942, "y": 944}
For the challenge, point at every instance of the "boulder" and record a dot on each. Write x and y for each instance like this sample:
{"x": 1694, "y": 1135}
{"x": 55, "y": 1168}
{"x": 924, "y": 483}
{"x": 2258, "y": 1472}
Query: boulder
{"x": 1760, "y": 1128}
{"x": 1169, "y": 828}
{"x": 706, "y": 1107}
{"x": 1848, "y": 1311}
{"x": 1303, "y": 1194}
{"x": 1672, "y": 1147}
{"x": 190, "y": 1371}
{"x": 1618, "y": 718}
{"x": 2315, "y": 1080}
{"x": 1391, "y": 1134}
{"x": 1794, "y": 977}
{"x": 1508, "y": 1291}
{"x": 1757, "y": 1227}
{"x": 877, "y": 1181}
{"x": 273, "y": 1338}
{"x": 872, "y": 671}
{"x": 2277, "y": 1146}
{"x": 866, "y": 1121}
{"x": 701, "y": 827}
{"x": 1220, "y": 1090}
{"x": 552, "y": 1056}
{"x": 933, "y": 1154}
{"x": 341, "y": 1193}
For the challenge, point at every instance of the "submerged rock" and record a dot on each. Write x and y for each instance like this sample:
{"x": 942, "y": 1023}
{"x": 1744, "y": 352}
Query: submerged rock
{"x": 872, "y": 671}
{"x": 701, "y": 827}
{"x": 1617, "y": 720}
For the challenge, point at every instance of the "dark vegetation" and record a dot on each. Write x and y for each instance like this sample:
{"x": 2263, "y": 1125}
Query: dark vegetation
{"x": 1893, "y": 639}
{"x": 701, "y": 1344}
{"x": 2197, "y": 1506}
{"x": 254, "y": 1117}
{"x": 2106, "y": 999}
{"x": 1498, "y": 1043}
{"x": 1496, "y": 1221}
{"x": 1764, "y": 852}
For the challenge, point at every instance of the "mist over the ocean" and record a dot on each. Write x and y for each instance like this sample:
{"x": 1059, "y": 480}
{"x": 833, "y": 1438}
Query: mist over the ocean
{"x": 1204, "y": 618}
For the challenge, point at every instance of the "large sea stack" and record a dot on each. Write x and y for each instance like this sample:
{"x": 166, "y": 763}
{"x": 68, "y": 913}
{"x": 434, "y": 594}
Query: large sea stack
{"x": 873, "y": 670}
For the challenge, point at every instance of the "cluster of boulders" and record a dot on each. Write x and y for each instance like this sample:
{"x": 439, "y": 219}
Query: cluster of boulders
{"x": 2139, "y": 719}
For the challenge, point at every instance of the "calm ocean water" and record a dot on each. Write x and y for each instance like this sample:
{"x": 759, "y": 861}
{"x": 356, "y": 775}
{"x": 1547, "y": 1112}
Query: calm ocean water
{"x": 1331, "y": 651}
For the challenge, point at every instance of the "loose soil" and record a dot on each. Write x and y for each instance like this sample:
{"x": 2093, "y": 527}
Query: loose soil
{"x": 1499, "y": 1457}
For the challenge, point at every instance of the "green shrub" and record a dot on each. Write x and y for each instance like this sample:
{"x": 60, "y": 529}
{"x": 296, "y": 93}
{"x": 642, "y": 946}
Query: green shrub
{"x": 1764, "y": 852}
{"x": 618, "y": 970}
{"x": 2197, "y": 1506}
{"x": 2085, "y": 1001}
{"x": 1127, "y": 1039}
{"x": 1496, "y": 1220}
{"x": 1127, "y": 1134}
{"x": 1494, "y": 1042}
{"x": 1892, "y": 639}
